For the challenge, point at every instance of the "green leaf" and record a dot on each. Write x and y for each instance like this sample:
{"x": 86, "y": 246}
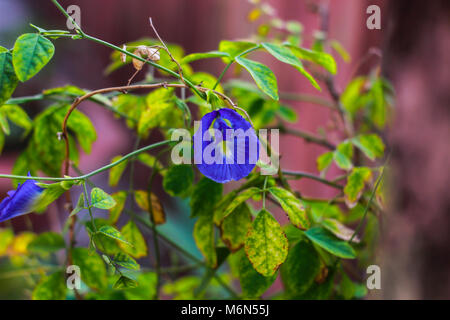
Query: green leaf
{"x": 263, "y": 76}
{"x": 234, "y": 48}
{"x": 52, "y": 287}
{"x": 323, "y": 59}
{"x": 327, "y": 241}
{"x": 197, "y": 56}
{"x": 133, "y": 235}
{"x": 100, "y": 241}
{"x": 253, "y": 284}
{"x": 292, "y": 206}
{"x": 285, "y": 55}
{"x": 351, "y": 97}
{"x": 8, "y": 78}
{"x": 204, "y": 238}
{"x": 4, "y": 124}
{"x": 347, "y": 287}
{"x": 150, "y": 161}
{"x": 30, "y": 54}
{"x": 343, "y": 155}
{"x": 93, "y": 271}
{"x": 287, "y": 113}
{"x": 114, "y": 213}
{"x": 235, "y": 226}
{"x": 113, "y": 233}
{"x": 79, "y": 206}
{"x": 266, "y": 244}
{"x": 2, "y": 143}
{"x": 47, "y": 242}
{"x": 147, "y": 287}
{"x": 242, "y": 197}
{"x": 101, "y": 200}
{"x": 318, "y": 291}
{"x": 186, "y": 111}
{"x": 83, "y": 129}
{"x": 160, "y": 111}
{"x": 324, "y": 160}
{"x": 178, "y": 179}
{"x": 337, "y": 46}
{"x": 206, "y": 80}
{"x": 115, "y": 173}
{"x": 300, "y": 268}
{"x": 17, "y": 116}
{"x": 46, "y": 144}
{"x": 214, "y": 100}
{"x": 370, "y": 144}
{"x": 355, "y": 184}
{"x": 125, "y": 283}
{"x": 204, "y": 197}
{"x": 124, "y": 260}
{"x": 377, "y": 112}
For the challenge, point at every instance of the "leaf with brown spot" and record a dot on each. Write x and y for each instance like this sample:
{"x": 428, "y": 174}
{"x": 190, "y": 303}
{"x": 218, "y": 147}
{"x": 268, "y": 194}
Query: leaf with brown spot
{"x": 158, "y": 214}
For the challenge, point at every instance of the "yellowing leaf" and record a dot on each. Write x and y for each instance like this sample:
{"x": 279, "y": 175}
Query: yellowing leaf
{"x": 355, "y": 185}
{"x": 113, "y": 233}
{"x": 115, "y": 173}
{"x": 242, "y": 197}
{"x": 266, "y": 244}
{"x": 370, "y": 144}
{"x": 235, "y": 226}
{"x": 93, "y": 271}
{"x": 324, "y": 160}
{"x": 134, "y": 236}
{"x": 158, "y": 214}
{"x": 120, "y": 199}
{"x": 292, "y": 206}
{"x": 204, "y": 238}
{"x": 100, "y": 199}
{"x": 339, "y": 230}
{"x": 52, "y": 287}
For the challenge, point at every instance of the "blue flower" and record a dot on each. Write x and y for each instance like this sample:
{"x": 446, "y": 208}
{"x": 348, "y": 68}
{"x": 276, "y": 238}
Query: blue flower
{"x": 20, "y": 201}
{"x": 225, "y": 146}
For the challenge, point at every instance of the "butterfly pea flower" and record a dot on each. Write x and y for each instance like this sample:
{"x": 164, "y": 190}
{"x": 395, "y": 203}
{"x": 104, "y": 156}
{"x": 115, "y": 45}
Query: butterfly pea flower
{"x": 225, "y": 146}
{"x": 31, "y": 196}
{"x": 21, "y": 201}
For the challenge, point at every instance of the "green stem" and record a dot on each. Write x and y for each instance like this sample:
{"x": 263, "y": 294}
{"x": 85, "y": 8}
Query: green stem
{"x": 88, "y": 205}
{"x": 92, "y": 173}
{"x": 300, "y": 174}
{"x": 366, "y": 209}
{"x": 264, "y": 193}
{"x": 231, "y": 62}
{"x": 222, "y": 74}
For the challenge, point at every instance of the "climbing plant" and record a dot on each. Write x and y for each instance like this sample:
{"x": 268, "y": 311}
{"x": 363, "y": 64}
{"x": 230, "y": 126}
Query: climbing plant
{"x": 321, "y": 253}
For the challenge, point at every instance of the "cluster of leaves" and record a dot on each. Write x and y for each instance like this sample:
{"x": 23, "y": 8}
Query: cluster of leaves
{"x": 237, "y": 238}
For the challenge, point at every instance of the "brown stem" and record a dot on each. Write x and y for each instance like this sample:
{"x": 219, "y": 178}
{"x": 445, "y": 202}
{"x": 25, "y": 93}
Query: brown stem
{"x": 308, "y": 137}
